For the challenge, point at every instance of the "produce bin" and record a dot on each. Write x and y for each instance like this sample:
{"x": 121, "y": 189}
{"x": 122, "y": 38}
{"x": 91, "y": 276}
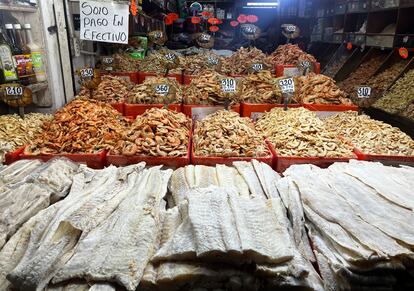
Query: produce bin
{"x": 144, "y": 76}
{"x": 254, "y": 111}
{"x": 388, "y": 160}
{"x": 187, "y": 79}
{"x": 198, "y": 112}
{"x": 95, "y": 161}
{"x": 324, "y": 110}
{"x": 212, "y": 161}
{"x": 133, "y": 110}
{"x": 292, "y": 70}
{"x": 11, "y": 157}
{"x": 119, "y": 107}
{"x": 281, "y": 163}
{"x": 132, "y": 77}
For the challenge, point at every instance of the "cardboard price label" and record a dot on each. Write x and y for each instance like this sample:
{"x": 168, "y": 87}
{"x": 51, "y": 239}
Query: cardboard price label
{"x": 228, "y": 85}
{"x": 170, "y": 57}
{"x": 204, "y": 37}
{"x": 364, "y": 92}
{"x": 86, "y": 73}
{"x": 287, "y": 85}
{"x": 14, "y": 91}
{"x": 305, "y": 64}
{"x": 162, "y": 89}
{"x": 257, "y": 67}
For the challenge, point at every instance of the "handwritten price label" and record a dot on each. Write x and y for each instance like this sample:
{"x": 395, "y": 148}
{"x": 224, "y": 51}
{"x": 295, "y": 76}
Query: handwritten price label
{"x": 257, "y": 67}
{"x": 364, "y": 92}
{"x": 291, "y": 28}
{"x": 205, "y": 37}
{"x": 14, "y": 91}
{"x": 287, "y": 85}
{"x": 228, "y": 85}
{"x": 86, "y": 73}
{"x": 170, "y": 57}
{"x": 213, "y": 61}
{"x": 305, "y": 64}
{"x": 162, "y": 89}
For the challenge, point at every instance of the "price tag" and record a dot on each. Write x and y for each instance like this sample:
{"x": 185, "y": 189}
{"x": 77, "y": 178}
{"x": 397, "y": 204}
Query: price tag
{"x": 250, "y": 29}
{"x": 305, "y": 64}
{"x": 213, "y": 61}
{"x": 162, "y": 89}
{"x": 170, "y": 57}
{"x": 257, "y": 67}
{"x": 290, "y": 28}
{"x": 228, "y": 85}
{"x": 108, "y": 60}
{"x": 14, "y": 91}
{"x": 86, "y": 73}
{"x": 287, "y": 85}
{"x": 364, "y": 92}
{"x": 205, "y": 37}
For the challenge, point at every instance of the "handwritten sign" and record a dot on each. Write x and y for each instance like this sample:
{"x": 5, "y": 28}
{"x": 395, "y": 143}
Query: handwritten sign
{"x": 212, "y": 61}
{"x": 228, "y": 85}
{"x": 162, "y": 89}
{"x": 287, "y": 85}
{"x": 86, "y": 73}
{"x": 364, "y": 92}
{"x": 257, "y": 67}
{"x": 14, "y": 91}
{"x": 104, "y": 21}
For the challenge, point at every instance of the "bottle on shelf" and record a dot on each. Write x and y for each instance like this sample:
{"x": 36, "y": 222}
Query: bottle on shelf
{"x": 37, "y": 55}
{"x": 8, "y": 66}
{"x": 24, "y": 61}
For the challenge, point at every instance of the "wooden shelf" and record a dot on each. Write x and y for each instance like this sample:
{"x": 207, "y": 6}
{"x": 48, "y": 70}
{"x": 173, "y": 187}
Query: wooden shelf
{"x": 18, "y": 8}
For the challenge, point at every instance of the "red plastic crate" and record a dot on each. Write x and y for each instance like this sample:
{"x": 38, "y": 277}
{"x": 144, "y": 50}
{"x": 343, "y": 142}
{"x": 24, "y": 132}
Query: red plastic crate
{"x": 254, "y": 111}
{"x": 143, "y": 76}
{"x": 119, "y": 107}
{"x": 95, "y": 161}
{"x": 289, "y": 70}
{"x": 206, "y": 109}
{"x": 132, "y": 77}
{"x": 282, "y": 162}
{"x": 388, "y": 160}
{"x": 11, "y": 157}
{"x": 133, "y": 110}
{"x": 212, "y": 161}
{"x": 188, "y": 78}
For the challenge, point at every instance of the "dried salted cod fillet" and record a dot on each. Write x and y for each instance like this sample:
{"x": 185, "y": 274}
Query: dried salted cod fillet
{"x": 205, "y": 176}
{"x": 102, "y": 287}
{"x": 18, "y": 171}
{"x": 248, "y": 172}
{"x": 230, "y": 177}
{"x": 178, "y": 185}
{"x": 221, "y": 226}
{"x": 120, "y": 248}
{"x": 267, "y": 177}
{"x": 69, "y": 287}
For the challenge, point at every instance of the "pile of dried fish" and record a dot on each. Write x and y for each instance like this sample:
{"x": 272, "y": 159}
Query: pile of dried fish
{"x": 334, "y": 67}
{"x": 408, "y": 112}
{"x": 27, "y": 187}
{"x": 239, "y": 63}
{"x": 196, "y": 64}
{"x": 360, "y": 217}
{"x": 153, "y": 63}
{"x": 300, "y": 133}
{"x": 112, "y": 89}
{"x": 226, "y": 134}
{"x": 16, "y": 132}
{"x": 122, "y": 62}
{"x": 146, "y": 93}
{"x": 320, "y": 89}
{"x": 158, "y": 132}
{"x": 369, "y": 135}
{"x": 82, "y": 126}
{"x": 289, "y": 54}
{"x": 206, "y": 90}
{"x": 399, "y": 96}
{"x": 261, "y": 87}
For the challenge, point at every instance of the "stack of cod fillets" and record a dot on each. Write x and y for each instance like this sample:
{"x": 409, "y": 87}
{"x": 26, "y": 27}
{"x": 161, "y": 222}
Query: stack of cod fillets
{"x": 360, "y": 218}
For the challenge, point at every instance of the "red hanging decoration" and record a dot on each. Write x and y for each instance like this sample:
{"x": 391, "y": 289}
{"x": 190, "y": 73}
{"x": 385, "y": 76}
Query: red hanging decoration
{"x": 214, "y": 28}
{"x": 206, "y": 14}
{"x": 168, "y": 21}
{"x": 403, "y": 52}
{"x": 195, "y": 20}
{"x": 173, "y": 16}
{"x": 213, "y": 21}
{"x": 220, "y": 21}
{"x": 252, "y": 18}
{"x": 134, "y": 8}
{"x": 349, "y": 46}
{"x": 234, "y": 23}
{"x": 242, "y": 18}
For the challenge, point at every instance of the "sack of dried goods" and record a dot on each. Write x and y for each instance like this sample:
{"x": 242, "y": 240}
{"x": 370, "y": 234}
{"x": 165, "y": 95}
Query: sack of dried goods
{"x": 15, "y": 132}
{"x": 154, "y": 63}
{"x": 299, "y": 132}
{"x": 157, "y": 90}
{"x": 399, "y": 96}
{"x": 206, "y": 89}
{"x": 158, "y": 132}
{"x": 289, "y": 54}
{"x": 82, "y": 126}
{"x": 261, "y": 88}
{"x": 239, "y": 63}
{"x": 226, "y": 134}
{"x": 123, "y": 62}
{"x": 196, "y": 64}
{"x": 369, "y": 135}
{"x": 320, "y": 89}
{"x": 112, "y": 89}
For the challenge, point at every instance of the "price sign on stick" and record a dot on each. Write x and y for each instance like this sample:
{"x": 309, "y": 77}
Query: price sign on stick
{"x": 162, "y": 89}
{"x": 86, "y": 73}
{"x": 290, "y": 28}
{"x": 228, "y": 85}
{"x": 257, "y": 67}
{"x": 305, "y": 64}
{"x": 170, "y": 57}
{"x": 364, "y": 92}
{"x": 14, "y": 92}
{"x": 212, "y": 61}
{"x": 107, "y": 60}
{"x": 287, "y": 85}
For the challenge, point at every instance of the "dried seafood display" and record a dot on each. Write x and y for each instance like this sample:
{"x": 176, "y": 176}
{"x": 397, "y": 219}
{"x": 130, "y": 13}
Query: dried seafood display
{"x": 289, "y": 54}
{"x": 359, "y": 216}
{"x": 320, "y": 89}
{"x": 381, "y": 81}
{"x": 239, "y": 62}
{"x": 400, "y": 95}
{"x": 122, "y": 62}
{"x": 261, "y": 88}
{"x": 298, "y": 132}
{"x": 408, "y": 112}
{"x": 226, "y": 134}
{"x": 158, "y": 132}
{"x": 82, "y": 126}
{"x": 369, "y": 135}
{"x": 146, "y": 93}
{"x": 112, "y": 89}
{"x": 196, "y": 64}
{"x": 206, "y": 90}
{"x": 336, "y": 64}
{"x": 16, "y": 132}
{"x": 361, "y": 75}
{"x": 153, "y": 63}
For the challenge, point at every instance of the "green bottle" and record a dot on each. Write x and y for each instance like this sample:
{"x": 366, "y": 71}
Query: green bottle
{"x": 8, "y": 66}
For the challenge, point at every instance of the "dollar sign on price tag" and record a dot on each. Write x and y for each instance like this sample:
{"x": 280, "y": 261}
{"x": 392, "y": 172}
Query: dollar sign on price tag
{"x": 228, "y": 85}
{"x": 162, "y": 89}
{"x": 364, "y": 92}
{"x": 287, "y": 85}
{"x": 86, "y": 73}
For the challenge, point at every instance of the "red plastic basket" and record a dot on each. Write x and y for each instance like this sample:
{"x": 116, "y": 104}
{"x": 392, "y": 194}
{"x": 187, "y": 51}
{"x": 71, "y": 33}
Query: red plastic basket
{"x": 119, "y": 107}
{"x": 212, "y": 161}
{"x": 132, "y": 77}
{"x": 200, "y": 111}
{"x": 290, "y": 70}
{"x": 143, "y": 76}
{"x": 11, "y": 157}
{"x": 388, "y": 160}
{"x": 282, "y": 162}
{"x": 188, "y": 78}
{"x": 133, "y": 110}
{"x": 254, "y": 111}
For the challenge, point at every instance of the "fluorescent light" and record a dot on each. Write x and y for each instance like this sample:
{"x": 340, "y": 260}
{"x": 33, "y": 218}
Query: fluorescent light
{"x": 262, "y": 3}
{"x": 259, "y": 7}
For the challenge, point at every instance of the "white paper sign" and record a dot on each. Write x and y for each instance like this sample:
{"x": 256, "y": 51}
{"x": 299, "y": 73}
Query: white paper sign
{"x": 364, "y": 92}
{"x": 104, "y": 21}
{"x": 287, "y": 85}
{"x": 228, "y": 85}
{"x": 162, "y": 89}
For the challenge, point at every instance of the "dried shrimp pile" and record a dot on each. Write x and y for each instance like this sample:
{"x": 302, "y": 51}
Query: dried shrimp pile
{"x": 261, "y": 88}
{"x": 158, "y": 132}
{"x": 226, "y": 134}
{"x": 153, "y": 63}
{"x": 239, "y": 62}
{"x": 82, "y": 126}
{"x": 196, "y": 64}
{"x": 206, "y": 90}
{"x": 300, "y": 133}
{"x": 112, "y": 89}
{"x": 124, "y": 63}
{"x": 400, "y": 96}
{"x": 15, "y": 132}
{"x": 369, "y": 135}
{"x": 320, "y": 89}
{"x": 146, "y": 94}
{"x": 289, "y": 54}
